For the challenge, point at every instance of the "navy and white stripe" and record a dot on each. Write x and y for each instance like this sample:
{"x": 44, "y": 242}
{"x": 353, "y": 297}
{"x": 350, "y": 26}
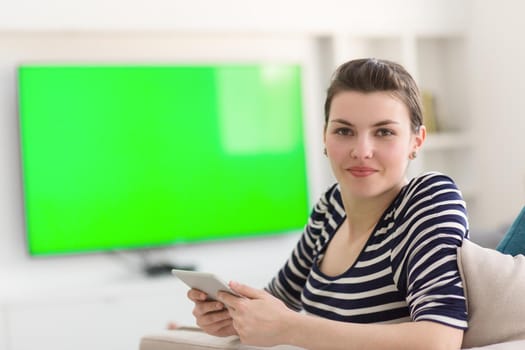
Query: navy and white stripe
{"x": 407, "y": 270}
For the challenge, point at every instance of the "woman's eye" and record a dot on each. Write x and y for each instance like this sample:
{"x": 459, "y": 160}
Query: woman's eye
{"x": 385, "y": 132}
{"x": 343, "y": 131}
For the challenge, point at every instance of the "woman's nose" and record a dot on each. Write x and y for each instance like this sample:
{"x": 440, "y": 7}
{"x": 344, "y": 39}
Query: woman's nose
{"x": 362, "y": 148}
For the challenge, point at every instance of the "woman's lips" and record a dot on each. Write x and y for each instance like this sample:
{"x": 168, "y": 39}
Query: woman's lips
{"x": 361, "y": 171}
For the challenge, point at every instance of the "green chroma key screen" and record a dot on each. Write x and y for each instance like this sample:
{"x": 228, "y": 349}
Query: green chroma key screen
{"x": 132, "y": 156}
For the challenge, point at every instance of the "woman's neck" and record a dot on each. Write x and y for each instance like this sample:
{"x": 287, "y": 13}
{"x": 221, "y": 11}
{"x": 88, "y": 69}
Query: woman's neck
{"x": 363, "y": 214}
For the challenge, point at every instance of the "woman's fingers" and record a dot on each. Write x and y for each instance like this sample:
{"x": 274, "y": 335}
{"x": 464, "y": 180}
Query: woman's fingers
{"x": 172, "y": 326}
{"x": 196, "y": 295}
{"x": 247, "y": 291}
{"x": 216, "y": 320}
{"x": 227, "y": 330}
{"x": 210, "y": 315}
{"x": 205, "y": 307}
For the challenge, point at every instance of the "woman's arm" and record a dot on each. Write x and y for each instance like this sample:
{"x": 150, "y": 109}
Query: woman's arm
{"x": 263, "y": 320}
{"x": 318, "y": 333}
{"x": 288, "y": 283}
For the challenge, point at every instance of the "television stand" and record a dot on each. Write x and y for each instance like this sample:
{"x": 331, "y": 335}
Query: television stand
{"x": 164, "y": 268}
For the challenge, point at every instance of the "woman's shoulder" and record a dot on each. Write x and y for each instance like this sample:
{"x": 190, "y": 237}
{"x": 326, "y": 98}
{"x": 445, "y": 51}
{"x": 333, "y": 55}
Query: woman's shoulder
{"x": 431, "y": 177}
{"x": 331, "y": 194}
{"x": 330, "y": 202}
{"x": 431, "y": 183}
{"x": 429, "y": 201}
{"x": 428, "y": 190}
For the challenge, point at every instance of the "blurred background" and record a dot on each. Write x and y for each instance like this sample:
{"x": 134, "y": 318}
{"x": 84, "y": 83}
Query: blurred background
{"x": 465, "y": 54}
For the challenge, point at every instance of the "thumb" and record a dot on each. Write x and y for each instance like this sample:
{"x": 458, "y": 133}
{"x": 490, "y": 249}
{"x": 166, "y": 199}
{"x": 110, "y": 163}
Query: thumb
{"x": 246, "y": 291}
{"x": 172, "y": 325}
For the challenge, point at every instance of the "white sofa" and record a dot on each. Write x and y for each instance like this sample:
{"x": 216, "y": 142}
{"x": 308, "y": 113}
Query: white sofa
{"x": 194, "y": 339}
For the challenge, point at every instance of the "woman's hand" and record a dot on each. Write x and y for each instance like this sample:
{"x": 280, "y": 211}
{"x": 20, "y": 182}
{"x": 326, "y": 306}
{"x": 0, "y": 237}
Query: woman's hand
{"x": 259, "y": 318}
{"x": 211, "y": 316}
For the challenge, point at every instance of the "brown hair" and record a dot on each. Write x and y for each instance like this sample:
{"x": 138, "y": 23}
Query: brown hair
{"x": 371, "y": 75}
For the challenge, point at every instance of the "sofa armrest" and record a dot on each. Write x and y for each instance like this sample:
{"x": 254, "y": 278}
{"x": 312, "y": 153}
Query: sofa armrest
{"x": 512, "y": 345}
{"x": 192, "y": 338}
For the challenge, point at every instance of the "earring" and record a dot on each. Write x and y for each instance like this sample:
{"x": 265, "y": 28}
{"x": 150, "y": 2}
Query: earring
{"x": 413, "y": 155}
{"x": 324, "y": 152}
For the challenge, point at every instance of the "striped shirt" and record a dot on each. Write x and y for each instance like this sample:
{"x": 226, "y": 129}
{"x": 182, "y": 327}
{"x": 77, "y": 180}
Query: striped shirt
{"x": 406, "y": 271}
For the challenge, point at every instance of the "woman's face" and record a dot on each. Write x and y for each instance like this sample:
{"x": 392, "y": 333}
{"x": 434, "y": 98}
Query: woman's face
{"x": 369, "y": 141}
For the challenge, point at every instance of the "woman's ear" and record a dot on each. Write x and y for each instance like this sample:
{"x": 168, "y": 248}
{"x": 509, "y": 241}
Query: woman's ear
{"x": 420, "y": 137}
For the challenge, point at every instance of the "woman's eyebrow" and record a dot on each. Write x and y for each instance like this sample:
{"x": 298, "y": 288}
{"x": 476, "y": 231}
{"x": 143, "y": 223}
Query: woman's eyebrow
{"x": 386, "y": 122}
{"x": 341, "y": 121}
{"x": 380, "y": 123}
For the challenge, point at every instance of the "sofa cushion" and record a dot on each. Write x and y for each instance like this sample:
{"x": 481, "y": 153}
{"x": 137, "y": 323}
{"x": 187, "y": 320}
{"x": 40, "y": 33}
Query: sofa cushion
{"x": 187, "y": 338}
{"x": 514, "y": 240}
{"x": 495, "y": 290}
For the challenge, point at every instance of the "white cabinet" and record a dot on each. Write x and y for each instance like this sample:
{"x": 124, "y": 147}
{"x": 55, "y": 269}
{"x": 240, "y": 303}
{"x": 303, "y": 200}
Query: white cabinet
{"x": 106, "y": 319}
{"x": 437, "y": 61}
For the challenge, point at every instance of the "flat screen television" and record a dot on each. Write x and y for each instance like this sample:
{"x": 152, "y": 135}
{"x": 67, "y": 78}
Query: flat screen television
{"x": 119, "y": 156}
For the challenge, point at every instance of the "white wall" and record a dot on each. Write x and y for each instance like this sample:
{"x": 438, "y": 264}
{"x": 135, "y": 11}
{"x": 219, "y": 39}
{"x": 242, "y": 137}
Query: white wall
{"x": 497, "y": 103}
{"x": 275, "y": 16}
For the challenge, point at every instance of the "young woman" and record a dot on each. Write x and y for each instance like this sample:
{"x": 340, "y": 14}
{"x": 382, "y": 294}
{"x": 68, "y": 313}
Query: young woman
{"x": 376, "y": 265}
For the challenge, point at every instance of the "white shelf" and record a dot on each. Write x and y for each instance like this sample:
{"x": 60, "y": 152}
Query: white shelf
{"x": 447, "y": 141}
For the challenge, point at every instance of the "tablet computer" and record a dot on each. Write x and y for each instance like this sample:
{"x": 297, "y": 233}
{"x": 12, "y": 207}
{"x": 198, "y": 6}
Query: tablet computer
{"x": 204, "y": 281}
